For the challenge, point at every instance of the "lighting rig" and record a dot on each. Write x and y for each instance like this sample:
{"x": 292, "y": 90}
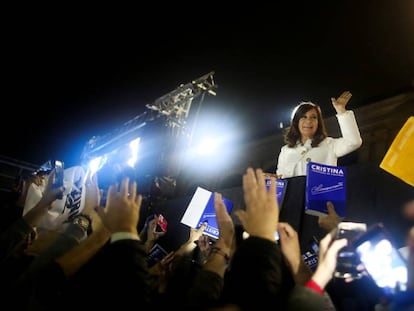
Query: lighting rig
{"x": 163, "y": 130}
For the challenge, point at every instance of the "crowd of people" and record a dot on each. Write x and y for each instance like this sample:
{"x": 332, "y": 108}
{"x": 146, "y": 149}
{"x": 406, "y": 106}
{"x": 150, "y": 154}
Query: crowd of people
{"x": 96, "y": 255}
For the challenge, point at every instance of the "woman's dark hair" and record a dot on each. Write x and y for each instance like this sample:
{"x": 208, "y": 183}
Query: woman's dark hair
{"x": 292, "y": 134}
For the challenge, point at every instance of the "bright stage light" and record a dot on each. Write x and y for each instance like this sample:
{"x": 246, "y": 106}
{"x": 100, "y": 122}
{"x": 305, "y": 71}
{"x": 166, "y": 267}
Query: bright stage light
{"x": 122, "y": 156}
{"x": 96, "y": 164}
{"x": 214, "y": 144}
{"x": 134, "y": 148}
{"x": 207, "y": 146}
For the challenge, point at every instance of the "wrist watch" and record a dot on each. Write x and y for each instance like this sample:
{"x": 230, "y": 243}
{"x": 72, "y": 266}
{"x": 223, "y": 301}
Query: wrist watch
{"x": 83, "y": 221}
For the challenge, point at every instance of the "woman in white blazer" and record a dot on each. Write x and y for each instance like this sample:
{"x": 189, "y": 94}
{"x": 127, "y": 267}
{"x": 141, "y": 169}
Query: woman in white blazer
{"x": 307, "y": 141}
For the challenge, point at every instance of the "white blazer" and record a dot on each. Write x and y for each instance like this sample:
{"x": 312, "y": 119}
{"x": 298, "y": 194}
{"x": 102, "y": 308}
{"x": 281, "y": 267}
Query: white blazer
{"x": 293, "y": 161}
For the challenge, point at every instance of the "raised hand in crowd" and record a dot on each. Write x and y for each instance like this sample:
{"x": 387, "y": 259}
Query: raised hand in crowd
{"x": 121, "y": 213}
{"x": 257, "y": 264}
{"x": 92, "y": 193}
{"x": 204, "y": 244}
{"x": 92, "y": 198}
{"x": 312, "y": 296}
{"x": 289, "y": 244}
{"x": 191, "y": 243}
{"x": 330, "y": 221}
{"x": 220, "y": 253}
{"x": 208, "y": 283}
{"x": 261, "y": 216}
{"x": 112, "y": 254}
{"x": 328, "y": 251}
{"x": 300, "y": 271}
{"x": 123, "y": 261}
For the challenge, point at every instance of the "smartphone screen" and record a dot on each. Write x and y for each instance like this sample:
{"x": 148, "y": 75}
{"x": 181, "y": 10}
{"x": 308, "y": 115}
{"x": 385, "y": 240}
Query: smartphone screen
{"x": 382, "y": 260}
{"x": 347, "y": 260}
{"x": 59, "y": 174}
{"x": 162, "y": 224}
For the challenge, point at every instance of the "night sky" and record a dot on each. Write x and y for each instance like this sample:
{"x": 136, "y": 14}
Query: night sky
{"x": 77, "y": 73}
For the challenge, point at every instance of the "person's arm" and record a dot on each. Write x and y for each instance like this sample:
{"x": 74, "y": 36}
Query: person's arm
{"x": 219, "y": 257}
{"x": 208, "y": 283}
{"x": 328, "y": 250}
{"x": 304, "y": 298}
{"x": 312, "y": 295}
{"x": 76, "y": 228}
{"x": 75, "y": 258}
{"x": 23, "y": 228}
{"x": 189, "y": 245}
{"x": 125, "y": 257}
{"x": 34, "y": 215}
{"x": 256, "y": 266}
{"x": 351, "y": 137}
{"x": 290, "y": 247}
{"x": 261, "y": 216}
{"x": 68, "y": 249}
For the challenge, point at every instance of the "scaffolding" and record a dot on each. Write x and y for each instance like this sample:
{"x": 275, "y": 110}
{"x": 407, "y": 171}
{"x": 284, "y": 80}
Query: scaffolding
{"x": 168, "y": 114}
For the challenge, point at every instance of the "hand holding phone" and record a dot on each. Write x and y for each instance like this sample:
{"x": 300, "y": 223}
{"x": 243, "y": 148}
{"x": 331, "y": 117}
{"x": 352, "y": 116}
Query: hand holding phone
{"x": 162, "y": 224}
{"x": 347, "y": 260}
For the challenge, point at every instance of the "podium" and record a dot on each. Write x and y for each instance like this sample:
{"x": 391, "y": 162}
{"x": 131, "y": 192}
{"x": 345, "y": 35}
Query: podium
{"x": 293, "y": 212}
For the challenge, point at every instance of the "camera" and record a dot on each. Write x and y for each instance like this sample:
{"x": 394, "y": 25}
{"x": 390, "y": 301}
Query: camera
{"x": 347, "y": 259}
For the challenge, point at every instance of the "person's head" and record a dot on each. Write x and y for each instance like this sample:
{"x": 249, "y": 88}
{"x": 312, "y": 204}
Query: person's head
{"x": 306, "y": 123}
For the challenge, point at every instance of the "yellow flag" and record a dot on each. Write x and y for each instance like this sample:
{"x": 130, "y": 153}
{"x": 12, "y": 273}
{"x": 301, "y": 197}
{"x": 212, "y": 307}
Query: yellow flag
{"x": 399, "y": 159}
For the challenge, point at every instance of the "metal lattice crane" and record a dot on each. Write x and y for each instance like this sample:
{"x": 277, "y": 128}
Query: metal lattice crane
{"x": 170, "y": 111}
{"x": 176, "y": 105}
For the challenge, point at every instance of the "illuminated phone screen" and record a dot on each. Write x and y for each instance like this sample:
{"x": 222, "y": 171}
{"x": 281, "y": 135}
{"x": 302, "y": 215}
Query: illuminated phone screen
{"x": 383, "y": 262}
{"x": 59, "y": 174}
{"x": 347, "y": 260}
{"x": 161, "y": 224}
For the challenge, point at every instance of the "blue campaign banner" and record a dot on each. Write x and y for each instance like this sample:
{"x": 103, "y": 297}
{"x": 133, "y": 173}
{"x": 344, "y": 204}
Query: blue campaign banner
{"x": 201, "y": 209}
{"x": 325, "y": 183}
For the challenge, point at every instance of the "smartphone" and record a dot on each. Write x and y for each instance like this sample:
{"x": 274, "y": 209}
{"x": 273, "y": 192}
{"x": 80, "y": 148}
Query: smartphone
{"x": 59, "y": 175}
{"x": 347, "y": 259}
{"x": 162, "y": 224}
{"x": 382, "y": 260}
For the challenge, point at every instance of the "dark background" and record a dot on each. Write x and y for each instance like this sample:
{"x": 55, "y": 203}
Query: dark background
{"x": 70, "y": 73}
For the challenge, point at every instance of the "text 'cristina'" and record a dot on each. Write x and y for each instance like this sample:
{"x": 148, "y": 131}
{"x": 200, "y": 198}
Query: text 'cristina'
{"x": 327, "y": 170}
